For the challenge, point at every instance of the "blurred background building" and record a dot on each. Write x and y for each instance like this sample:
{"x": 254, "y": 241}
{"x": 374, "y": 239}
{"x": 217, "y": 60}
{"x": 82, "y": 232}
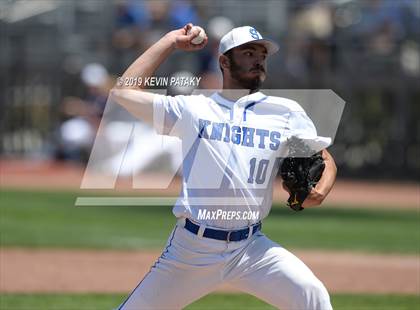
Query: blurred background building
{"x": 58, "y": 60}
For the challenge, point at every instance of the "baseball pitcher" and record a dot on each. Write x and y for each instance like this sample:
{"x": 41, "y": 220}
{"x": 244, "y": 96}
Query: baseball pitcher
{"x": 233, "y": 143}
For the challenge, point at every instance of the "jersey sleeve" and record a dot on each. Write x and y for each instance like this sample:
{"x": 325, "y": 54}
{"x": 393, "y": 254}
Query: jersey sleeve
{"x": 168, "y": 114}
{"x": 302, "y": 127}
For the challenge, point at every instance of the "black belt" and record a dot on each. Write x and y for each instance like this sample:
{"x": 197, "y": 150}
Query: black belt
{"x": 225, "y": 235}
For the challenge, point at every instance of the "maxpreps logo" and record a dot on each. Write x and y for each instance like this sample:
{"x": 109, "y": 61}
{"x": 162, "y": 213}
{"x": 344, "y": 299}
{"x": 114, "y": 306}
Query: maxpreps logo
{"x": 125, "y": 147}
{"x": 219, "y": 214}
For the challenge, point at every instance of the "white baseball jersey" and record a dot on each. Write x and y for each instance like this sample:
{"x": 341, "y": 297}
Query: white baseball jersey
{"x": 231, "y": 152}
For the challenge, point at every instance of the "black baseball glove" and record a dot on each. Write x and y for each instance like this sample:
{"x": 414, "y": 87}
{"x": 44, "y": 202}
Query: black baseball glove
{"x": 300, "y": 171}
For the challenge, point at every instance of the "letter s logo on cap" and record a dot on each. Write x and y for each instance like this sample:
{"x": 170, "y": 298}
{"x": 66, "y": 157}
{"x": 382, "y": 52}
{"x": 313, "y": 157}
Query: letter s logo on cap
{"x": 254, "y": 33}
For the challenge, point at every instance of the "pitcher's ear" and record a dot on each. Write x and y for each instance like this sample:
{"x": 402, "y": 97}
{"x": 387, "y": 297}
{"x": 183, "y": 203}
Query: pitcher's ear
{"x": 224, "y": 62}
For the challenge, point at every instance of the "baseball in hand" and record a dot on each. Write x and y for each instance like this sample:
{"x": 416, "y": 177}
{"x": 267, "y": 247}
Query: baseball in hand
{"x": 200, "y": 38}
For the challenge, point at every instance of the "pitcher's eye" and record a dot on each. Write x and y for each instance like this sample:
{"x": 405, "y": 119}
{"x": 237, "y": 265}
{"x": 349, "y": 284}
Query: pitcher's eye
{"x": 248, "y": 53}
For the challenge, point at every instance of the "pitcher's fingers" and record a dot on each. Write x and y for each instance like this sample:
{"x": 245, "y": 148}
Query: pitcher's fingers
{"x": 188, "y": 27}
{"x": 194, "y": 32}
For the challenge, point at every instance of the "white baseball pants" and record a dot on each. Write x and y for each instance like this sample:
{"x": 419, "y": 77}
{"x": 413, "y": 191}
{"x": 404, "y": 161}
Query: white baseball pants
{"x": 192, "y": 266}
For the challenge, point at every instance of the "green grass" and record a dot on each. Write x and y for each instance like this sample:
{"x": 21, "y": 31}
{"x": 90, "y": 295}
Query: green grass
{"x": 213, "y": 301}
{"x": 59, "y": 301}
{"x": 50, "y": 219}
{"x": 38, "y": 219}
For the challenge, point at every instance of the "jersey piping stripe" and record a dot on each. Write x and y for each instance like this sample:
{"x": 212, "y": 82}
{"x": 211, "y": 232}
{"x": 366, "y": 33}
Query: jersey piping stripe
{"x": 230, "y": 109}
{"x": 150, "y": 270}
{"x": 250, "y": 106}
{"x": 223, "y": 105}
{"x": 189, "y": 158}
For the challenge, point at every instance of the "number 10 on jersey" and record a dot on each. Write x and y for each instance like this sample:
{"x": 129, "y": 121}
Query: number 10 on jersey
{"x": 257, "y": 170}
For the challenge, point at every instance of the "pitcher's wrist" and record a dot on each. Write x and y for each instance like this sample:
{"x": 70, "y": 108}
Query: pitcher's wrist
{"x": 170, "y": 39}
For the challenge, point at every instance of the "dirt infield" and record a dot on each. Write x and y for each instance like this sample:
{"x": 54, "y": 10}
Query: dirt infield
{"x": 62, "y": 176}
{"x": 30, "y": 270}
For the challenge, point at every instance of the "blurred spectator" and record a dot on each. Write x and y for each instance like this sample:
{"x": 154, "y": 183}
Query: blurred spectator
{"x": 210, "y": 72}
{"x": 97, "y": 81}
{"x": 182, "y": 12}
{"x": 132, "y": 13}
{"x": 310, "y": 48}
{"x": 81, "y": 117}
{"x": 140, "y": 23}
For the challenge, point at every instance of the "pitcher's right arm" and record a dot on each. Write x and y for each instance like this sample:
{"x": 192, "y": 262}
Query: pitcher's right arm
{"x": 132, "y": 97}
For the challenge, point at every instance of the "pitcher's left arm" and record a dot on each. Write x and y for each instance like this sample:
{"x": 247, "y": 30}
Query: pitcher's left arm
{"x": 325, "y": 184}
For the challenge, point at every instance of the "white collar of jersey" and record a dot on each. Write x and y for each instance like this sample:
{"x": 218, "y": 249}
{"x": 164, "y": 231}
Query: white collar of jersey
{"x": 243, "y": 101}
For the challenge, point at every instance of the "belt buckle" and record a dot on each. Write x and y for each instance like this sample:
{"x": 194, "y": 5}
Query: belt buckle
{"x": 228, "y": 236}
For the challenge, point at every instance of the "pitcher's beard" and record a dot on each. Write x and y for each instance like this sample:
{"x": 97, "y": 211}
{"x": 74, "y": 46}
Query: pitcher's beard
{"x": 253, "y": 84}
